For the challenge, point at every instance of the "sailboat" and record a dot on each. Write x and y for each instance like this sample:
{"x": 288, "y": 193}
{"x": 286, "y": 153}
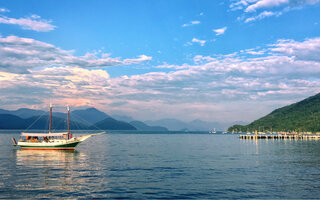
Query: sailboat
{"x": 214, "y": 131}
{"x": 48, "y": 141}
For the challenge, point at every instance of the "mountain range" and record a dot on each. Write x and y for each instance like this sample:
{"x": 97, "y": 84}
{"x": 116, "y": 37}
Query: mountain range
{"x": 91, "y": 118}
{"x": 178, "y": 125}
{"x": 303, "y": 116}
{"x": 87, "y": 119}
{"x": 194, "y": 125}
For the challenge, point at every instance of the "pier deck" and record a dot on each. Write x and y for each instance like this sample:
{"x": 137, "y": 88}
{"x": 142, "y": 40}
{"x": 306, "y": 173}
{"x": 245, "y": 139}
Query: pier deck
{"x": 277, "y": 137}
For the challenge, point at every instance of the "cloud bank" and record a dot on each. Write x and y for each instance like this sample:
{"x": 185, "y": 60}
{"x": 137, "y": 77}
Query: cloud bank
{"x": 267, "y": 8}
{"x": 214, "y": 87}
{"x": 20, "y": 55}
{"x": 34, "y": 22}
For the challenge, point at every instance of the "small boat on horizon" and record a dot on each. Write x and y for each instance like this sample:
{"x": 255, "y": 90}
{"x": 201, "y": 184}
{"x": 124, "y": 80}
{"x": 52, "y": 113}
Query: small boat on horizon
{"x": 214, "y": 131}
{"x": 51, "y": 141}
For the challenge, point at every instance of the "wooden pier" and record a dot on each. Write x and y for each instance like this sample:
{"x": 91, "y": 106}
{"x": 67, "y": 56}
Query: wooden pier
{"x": 283, "y": 137}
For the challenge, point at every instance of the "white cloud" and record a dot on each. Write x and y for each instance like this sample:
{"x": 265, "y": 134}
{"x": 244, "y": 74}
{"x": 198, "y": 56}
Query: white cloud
{"x": 4, "y": 10}
{"x": 307, "y": 50}
{"x": 238, "y": 5}
{"x": 265, "y": 4}
{"x": 66, "y": 85}
{"x": 195, "y": 22}
{"x": 137, "y": 60}
{"x": 191, "y": 23}
{"x": 262, "y": 15}
{"x": 35, "y": 16}
{"x": 34, "y": 23}
{"x": 188, "y": 44}
{"x": 177, "y": 67}
{"x": 267, "y": 8}
{"x": 254, "y": 51}
{"x": 254, "y": 5}
{"x": 220, "y": 31}
{"x": 200, "y": 58}
{"x": 201, "y": 42}
{"x": 19, "y": 55}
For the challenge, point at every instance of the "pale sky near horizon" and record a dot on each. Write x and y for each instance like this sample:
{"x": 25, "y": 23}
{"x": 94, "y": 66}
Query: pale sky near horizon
{"x": 221, "y": 61}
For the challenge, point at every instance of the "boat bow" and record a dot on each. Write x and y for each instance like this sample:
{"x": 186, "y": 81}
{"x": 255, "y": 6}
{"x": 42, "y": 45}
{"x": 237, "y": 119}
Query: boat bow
{"x": 83, "y": 138}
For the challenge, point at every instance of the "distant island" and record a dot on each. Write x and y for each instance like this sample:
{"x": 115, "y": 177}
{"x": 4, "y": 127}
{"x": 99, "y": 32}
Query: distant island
{"x": 303, "y": 116}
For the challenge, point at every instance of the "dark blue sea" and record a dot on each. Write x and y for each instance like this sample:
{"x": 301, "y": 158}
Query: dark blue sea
{"x": 137, "y": 165}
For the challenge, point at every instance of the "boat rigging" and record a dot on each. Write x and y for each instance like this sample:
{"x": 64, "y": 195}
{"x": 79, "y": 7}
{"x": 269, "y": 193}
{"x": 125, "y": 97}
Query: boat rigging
{"x": 47, "y": 141}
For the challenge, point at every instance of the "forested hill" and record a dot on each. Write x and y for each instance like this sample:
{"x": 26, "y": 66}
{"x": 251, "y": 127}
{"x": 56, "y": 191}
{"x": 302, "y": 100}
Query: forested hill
{"x": 302, "y": 116}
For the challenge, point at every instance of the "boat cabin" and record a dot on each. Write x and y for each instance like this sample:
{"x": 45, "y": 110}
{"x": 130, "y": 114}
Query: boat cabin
{"x": 43, "y": 137}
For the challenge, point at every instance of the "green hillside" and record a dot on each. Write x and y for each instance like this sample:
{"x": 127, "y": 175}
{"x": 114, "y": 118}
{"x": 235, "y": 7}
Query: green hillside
{"x": 303, "y": 116}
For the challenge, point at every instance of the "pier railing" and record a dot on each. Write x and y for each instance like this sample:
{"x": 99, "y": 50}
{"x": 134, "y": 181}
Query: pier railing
{"x": 280, "y": 136}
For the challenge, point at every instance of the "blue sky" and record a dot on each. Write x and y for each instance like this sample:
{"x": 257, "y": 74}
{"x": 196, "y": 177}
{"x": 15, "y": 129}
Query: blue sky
{"x": 211, "y": 60}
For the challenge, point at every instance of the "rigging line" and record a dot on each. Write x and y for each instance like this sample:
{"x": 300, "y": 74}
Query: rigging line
{"x": 77, "y": 126}
{"x": 72, "y": 125}
{"x": 47, "y": 124}
{"x": 87, "y": 122}
{"x": 35, "y": 121}
{"x": 78, "y": 123}
{"x": 55, "y": 122}
{"x": 65, "y": 124}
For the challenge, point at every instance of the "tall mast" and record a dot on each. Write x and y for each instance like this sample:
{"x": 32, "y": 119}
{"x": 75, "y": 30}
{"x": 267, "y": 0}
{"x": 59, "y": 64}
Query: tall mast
{"x": 50, "y": 117}
{"x": 68, "y": 109}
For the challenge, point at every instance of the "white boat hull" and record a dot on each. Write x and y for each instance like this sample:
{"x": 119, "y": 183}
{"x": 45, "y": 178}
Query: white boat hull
{"x": 60, "y": 144}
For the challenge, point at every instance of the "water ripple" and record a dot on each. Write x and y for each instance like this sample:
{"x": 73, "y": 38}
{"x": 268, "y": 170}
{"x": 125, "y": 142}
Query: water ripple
{"x": 182, "y": 166}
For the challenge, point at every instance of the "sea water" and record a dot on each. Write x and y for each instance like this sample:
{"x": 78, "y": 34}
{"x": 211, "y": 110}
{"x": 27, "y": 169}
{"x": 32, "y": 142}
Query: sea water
{"x": 166, "y": 166}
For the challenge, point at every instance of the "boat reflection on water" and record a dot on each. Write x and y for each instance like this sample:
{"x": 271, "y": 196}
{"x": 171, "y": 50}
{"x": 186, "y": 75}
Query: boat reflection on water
{"x": 49, "y": 170}
{"x": 50, "y": 158}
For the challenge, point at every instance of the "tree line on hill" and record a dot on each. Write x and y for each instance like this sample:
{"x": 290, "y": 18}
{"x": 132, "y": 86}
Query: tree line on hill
{"x": 303, "y": 116}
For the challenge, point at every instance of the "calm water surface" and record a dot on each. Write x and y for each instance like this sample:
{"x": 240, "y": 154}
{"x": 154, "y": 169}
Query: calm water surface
{"x": 163, "y": 166}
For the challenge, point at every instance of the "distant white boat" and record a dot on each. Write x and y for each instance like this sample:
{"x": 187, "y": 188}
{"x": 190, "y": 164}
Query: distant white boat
{"x": 214, "y": 131}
